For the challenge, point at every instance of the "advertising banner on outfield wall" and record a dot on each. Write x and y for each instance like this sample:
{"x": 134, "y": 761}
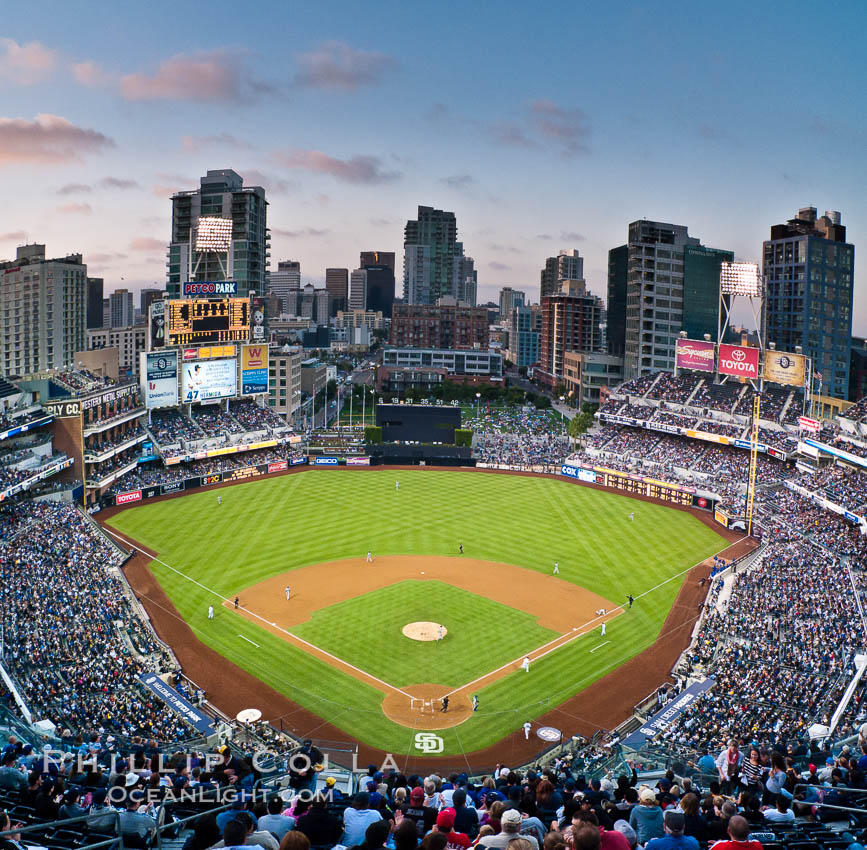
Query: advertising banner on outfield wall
{"x": 696, "y": 354}
{"x": 326, "y": 461}
{"x": 159, "y": 378}
{"x": 784, "y": 368}
{"x": 721, "y": 517}
{"x": 738, "y": 360}
{"x": 358, "y": 461}
{"x": 663, "y": 718}
{"x": 196, "y": 718}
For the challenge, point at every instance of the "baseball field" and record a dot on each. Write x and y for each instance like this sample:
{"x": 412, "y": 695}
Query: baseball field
{"x": 337, "y": 646}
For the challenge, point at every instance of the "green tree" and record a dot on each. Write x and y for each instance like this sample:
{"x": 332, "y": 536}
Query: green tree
{"x": 582, "y": 421}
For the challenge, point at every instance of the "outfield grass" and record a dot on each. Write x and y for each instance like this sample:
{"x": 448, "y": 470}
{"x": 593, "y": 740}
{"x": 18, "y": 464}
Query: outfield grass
{"x": 358, "y": 629}
{"x": 265, "y": 528}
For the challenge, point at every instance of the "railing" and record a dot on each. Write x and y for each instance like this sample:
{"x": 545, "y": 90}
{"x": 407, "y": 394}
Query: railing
{"x": 53, "y": 825}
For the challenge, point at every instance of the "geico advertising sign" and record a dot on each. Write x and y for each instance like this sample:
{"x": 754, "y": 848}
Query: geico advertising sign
{"x": 207, "y": 379}
{"x": 160, "y": 379}
{"x": 739, "y": 360}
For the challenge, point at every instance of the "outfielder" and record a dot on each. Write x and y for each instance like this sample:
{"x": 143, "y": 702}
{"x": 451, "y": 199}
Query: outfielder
{"x": 556, "y": 568}
{"x": 210, "y": 612}
{"x": 219, "y": 500}
{"x": 603, "y": 629}
{"x": 369, "y": 557}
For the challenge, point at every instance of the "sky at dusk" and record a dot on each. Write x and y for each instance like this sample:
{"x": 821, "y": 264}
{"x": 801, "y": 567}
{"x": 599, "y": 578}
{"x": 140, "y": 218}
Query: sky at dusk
{"x": 542, "y": 126}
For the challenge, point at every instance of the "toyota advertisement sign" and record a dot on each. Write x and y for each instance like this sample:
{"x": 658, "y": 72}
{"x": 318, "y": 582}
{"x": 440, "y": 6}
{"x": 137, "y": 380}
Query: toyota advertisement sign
{"x": 159, "y": 371}
{"x": 738, "y": 360}
{"x": 694, "y": 354}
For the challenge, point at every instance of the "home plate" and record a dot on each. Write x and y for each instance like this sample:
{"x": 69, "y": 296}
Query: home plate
{"x": 422, "y": 572}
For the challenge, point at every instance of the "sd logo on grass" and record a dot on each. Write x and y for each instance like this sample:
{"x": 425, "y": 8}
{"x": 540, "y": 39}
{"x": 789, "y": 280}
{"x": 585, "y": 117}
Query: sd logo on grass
{"x": 427, "y": 742}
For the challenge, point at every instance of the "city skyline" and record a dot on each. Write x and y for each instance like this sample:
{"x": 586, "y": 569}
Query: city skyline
{"x": 349, "y": 130}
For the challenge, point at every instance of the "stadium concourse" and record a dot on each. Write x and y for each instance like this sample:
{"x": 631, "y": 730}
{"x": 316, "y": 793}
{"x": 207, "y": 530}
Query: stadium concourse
{"x": 779, "y": 637}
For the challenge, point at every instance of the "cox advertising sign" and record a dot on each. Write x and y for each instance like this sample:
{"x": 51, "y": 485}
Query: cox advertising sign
{"x": 738, "y": 360}
{"x": 694, "y": 354}
{"x": 326, "y": 461}
{"x": 160, "y": 373}
{"x": 211, "y": 287}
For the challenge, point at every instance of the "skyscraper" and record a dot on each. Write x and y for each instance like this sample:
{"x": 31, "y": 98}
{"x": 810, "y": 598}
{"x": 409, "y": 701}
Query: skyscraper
{"x": 509, "y": 299}
{"x": 430, "y": 251}
{"x": 94, "y": 302}
{"x": 809, "y": 271}
{"x": 567, "y": 265}
{"x": 376, "y": 258}
{"x": 121, "y": 309}
{"x": 665, "y": 293}
{"x": 219, "y": 232}
{"x": 43, "y": 311}
{"x": 286, "y": 279}
{"x": 148, "y": 296}
{"x": 380, "y": 289}
{"x": 358, "y": 290}
{"x": 618, "y": 265}
{"x": 337, "y": 284}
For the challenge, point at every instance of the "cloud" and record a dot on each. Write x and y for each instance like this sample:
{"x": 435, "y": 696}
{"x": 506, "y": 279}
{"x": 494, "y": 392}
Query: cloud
{"x": 223, "y": 140}
{"x": 48, "y": 140}
{"x": 499, "y": 267}
{"x": 26, "y": 64}
{"x": 103, "y": 259}
{"x": 271, "y": 184}
{"x": 458, "y": 181}
{"x": 75, "y": 209}
{"x": 13, "y": 236}
{"x": 502, "y": 249}
{"x": 568, "y": 127}
{"x": 544, "y": 236}
{"x": 382, "y": 222}
{"x": 147, "y": 243}
{"x": 295, "y": 234}
{"x": 572, "y": 236}
{"x": 215, "y": 76}
{"x": 512, "y": 136}
{"x": 356, "y": 169}
{"x": 337, "y": 66}
{"x": 74, "y": 189}
{"x": 171, "y": 183}
{"x": 90, "y": 74}
{"x": 118, "y": 183}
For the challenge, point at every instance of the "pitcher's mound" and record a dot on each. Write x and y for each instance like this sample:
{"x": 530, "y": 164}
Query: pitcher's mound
{"x": 424, "y": 630}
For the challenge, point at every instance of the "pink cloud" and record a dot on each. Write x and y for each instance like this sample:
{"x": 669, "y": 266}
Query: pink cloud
{"x": 567, "y": 126}
{"x": 90, "y": 74}
{"x": 47, "y": 140}
{"x": 147, "y": 243}
{"x": 26, "y": 64}
{"x": 336, "y": 65}
{"x": 356, "y": 169}
{"x": 74, "y": 189}
{"x": 216, "y": 76}
{"x": 225, "y": 140}
{"x": 75, "y": 209}
{"x": 13, "y": 236}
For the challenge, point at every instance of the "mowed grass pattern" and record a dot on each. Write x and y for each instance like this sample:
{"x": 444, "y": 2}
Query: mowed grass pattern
{"x": 358, "y": 629}
{"x": 265, "y": 528}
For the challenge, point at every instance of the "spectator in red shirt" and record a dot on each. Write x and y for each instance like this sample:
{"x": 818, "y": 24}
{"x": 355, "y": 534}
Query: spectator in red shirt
{"x": 738, "y": 830}
{"x": 445, "y": 824}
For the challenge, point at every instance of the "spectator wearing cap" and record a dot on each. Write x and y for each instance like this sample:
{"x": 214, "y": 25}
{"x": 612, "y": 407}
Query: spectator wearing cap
{"x": 738, "y": 836}
{"x": 275, "y": 821}
{"x": 136, "y": 826}
{"x": 421, "y": 815}
{"x": 674, "y": 824}
{"x": 510, "y": 824}
{"x": 627, "y": 832}
{"x": 332, "y": 789}
{"x": 357, "y": 818}
{"x": 100, "y": 818}
{"x": 70, "y": 807}
{"x": 646, "y": 817}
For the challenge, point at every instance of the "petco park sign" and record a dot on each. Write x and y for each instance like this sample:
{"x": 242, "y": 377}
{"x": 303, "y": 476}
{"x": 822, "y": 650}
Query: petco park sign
{"x": 211, "y": 287}
{"x": 739, "y": 360}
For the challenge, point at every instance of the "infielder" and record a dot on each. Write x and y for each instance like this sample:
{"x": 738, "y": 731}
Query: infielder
{"x": 631, "y": 599}
{"x": 288, "y": 592}
{"x": 210, "y": 612}
{"x": 525, "y": 664}
{"x": 440, "y": 633}
{"x": 461, "y": 548}
{"x": 475, "y": 702}
{"x": 556, "y": 568}
{"x": 369, "y": 557}
{"x": 527, "y": 728}
{"x": 603, "y": 629}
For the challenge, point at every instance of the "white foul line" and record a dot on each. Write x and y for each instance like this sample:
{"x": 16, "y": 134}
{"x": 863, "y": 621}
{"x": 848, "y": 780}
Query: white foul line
{"x": 259, "y": 617}
{"x": 600, "y": 646}
{"x": 249, "y": 641}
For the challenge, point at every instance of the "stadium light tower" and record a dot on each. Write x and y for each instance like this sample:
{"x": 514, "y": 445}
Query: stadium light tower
{"x": 739, "y": 281}
{"x": 213, "y": 238}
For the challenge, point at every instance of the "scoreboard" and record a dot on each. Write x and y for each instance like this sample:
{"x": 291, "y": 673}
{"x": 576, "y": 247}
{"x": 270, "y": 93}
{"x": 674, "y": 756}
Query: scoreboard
{"x": 198, "y": 321}
{"x": 639, "y": 485}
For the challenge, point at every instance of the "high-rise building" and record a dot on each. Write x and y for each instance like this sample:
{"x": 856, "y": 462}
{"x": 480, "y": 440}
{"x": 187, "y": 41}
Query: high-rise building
{"x": 666, "y": 292}
{"x": 466, "y": 279}
{"x": 524, "y": 336}
{"x": 376, "y": 258}
{"x": 571, "y": 321}
{"x": 809, "y": 271}
{"x": 94, "y": 302}
{"x": 148, "y": 296}
{"x": 509, "y": 299}
{"x": 567, "y": 265}
{"x": 337, "y": 284}
{"x": 219, "y": 232}
{"x": 380, "y": 289}
{"x": 43, "y": 311}
{"x": 121, "y": 309}
{"x": 309, "y": 303}
{"x": 615, "y": 307}
{"x": 286, "y": 279}
{"x": 448, "y": 324}
{"x": 430, "y": 249}
{"x": 358, "y": 290}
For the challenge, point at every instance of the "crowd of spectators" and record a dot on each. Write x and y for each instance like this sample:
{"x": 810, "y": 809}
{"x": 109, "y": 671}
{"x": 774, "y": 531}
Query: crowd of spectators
{"x": 518, "y": 436}
{"x": 638, "y": 386}
{"x": 80, "y": 381}
{"x": 102, "y": 443}
{"x": 10, "y": 476}
{"x": 673, "y": 388}
{"x": 676, "y": 419}
{"x": 255, "y": 418}
{"x": 845, "y": 486}
{"x": 714, "y": 426}
{"x": 215, "y": 422}
{"x": 721, "y": 397}
{"x": 170, "y": 426}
